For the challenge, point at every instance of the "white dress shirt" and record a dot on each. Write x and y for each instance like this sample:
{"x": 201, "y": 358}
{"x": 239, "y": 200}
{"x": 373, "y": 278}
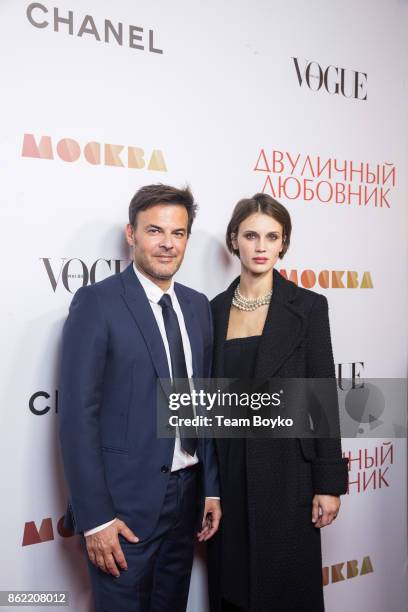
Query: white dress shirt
{"x": 181, "y": 459}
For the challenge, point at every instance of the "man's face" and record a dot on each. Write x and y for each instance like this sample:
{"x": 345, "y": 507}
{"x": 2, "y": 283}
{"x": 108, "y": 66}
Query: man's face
{"x": 159, "y": 241}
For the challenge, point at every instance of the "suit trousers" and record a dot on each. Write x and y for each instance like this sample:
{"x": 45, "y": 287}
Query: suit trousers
{"x": 159, "y": 568}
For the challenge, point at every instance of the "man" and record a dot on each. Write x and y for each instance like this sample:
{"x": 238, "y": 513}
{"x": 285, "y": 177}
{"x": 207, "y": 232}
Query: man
{"x": 133, "y": 494}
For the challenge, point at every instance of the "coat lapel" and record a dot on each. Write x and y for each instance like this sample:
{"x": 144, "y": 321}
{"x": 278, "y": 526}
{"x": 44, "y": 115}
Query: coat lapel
{"x": 283, "y": 329}
{"x": 221, "y": 318}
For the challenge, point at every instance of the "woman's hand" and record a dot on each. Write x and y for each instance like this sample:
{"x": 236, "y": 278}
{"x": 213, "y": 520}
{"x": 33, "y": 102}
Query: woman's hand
{"x": 325, "y": 508}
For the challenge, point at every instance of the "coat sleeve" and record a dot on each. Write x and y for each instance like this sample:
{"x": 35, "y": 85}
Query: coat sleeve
{"x": 85, "y": 339}
{"x": 329, "y": 469}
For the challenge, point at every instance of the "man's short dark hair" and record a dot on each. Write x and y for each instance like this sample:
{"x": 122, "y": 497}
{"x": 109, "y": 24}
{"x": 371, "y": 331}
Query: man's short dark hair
{"x": 152, "y": 195}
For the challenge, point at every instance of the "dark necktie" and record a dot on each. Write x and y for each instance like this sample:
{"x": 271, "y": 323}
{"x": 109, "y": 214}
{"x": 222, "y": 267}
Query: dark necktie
{"x": 188, "y": 438}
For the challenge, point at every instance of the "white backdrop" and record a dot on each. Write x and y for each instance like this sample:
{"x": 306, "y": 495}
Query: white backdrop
{"x": 227, "y": 109}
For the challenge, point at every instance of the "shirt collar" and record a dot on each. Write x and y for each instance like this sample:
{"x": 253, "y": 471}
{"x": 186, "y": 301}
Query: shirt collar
{"x": 153, "y": 292}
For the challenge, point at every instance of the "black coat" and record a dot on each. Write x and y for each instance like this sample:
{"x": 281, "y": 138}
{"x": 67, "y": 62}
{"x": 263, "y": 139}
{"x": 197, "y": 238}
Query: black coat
{"x": 283, "y": 474}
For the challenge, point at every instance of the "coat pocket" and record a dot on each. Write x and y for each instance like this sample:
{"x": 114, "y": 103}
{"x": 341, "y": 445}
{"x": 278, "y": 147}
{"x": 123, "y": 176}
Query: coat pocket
{"x": 114, "y": 449}
{"x": 304, "y": 479}
{"x": 307, "y": 448}
{"x": 305, "y": 487}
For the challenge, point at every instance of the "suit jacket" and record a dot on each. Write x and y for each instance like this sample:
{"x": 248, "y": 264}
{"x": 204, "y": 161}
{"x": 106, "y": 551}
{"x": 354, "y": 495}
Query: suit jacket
{"x": 282, "y": 475}
{"x": 112, "y": 357}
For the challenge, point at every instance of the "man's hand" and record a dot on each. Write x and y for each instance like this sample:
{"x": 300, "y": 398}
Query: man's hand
{"x": 211, "y": 519}
{"x": 325, "y": 509}
{"x": 104, "y": 549}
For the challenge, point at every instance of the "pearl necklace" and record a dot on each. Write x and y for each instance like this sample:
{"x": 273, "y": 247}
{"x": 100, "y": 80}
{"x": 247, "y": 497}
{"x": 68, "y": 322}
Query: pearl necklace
{"x": 243, "y": 303}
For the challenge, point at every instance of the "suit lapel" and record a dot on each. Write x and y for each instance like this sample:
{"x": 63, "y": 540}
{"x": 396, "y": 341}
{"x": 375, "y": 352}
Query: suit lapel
{"x": 193, "y": 330}
{"x": 141, "y": 311}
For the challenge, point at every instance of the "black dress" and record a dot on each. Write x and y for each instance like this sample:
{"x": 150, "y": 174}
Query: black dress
{"x": 239, "y": 358}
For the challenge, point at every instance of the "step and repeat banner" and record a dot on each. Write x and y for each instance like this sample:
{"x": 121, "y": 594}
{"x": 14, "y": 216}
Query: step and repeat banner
{"x": 305, "y": 101}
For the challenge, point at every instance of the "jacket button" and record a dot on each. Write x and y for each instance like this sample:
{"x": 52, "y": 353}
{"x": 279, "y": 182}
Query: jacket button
{"x": 164, "y": 469}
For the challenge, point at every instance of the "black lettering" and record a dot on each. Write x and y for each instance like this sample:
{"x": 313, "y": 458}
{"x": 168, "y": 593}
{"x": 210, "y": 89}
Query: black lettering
{"x": 51, "y": 276}
{"x": 360, "y": 85}
{"x": 134, "y": 36}
{"x": 92, "y": 274}
{"x": 326, "y": 80}
{"x": 318, "y": 76}
{"x": 356, "y": 373}
{"x": 343, "y": 79}
{"x": 32, "y": 400}
{"x": 117, "y": 34}
{"x": 89, "y": 29}
{"x": 30, "y": 8}
{"x": 69, "y": 20}
{"x": 151, "y": 44}
{"x": 65, "y": 271}
{"x": 299, "y": 76}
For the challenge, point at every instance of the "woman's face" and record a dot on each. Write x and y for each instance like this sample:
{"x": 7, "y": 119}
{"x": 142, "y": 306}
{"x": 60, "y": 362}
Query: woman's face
{"x": 259, "y": 242}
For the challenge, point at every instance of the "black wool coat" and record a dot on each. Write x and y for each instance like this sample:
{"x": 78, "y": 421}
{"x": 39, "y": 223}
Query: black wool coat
{"x": 282, "y": 475}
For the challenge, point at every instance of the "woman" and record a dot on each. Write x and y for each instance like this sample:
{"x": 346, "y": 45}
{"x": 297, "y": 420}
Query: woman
{"x": 275, "y": 494}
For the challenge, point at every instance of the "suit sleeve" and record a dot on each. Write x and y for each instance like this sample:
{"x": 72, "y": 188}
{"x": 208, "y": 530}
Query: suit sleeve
{"x": 85, "y": 339}
{"x": 211, "y": 476}
{"x": 329, "y": 469}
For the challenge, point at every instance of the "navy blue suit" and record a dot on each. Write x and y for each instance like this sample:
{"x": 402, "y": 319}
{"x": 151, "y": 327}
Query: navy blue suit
{"x": 113, "y": 354}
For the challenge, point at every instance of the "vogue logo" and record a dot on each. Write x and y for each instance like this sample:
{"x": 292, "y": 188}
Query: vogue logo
{"x": 330, "y": 279}
{"x": 74, "y": 273}
{"x": 346, "y": 569}
{"x": 349, "y": 375}
{"x": 342, "y": 81}
{"x": 132, "y": 36}
{"x": 95, "y": 153}
{"x": 33, "y": 535}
